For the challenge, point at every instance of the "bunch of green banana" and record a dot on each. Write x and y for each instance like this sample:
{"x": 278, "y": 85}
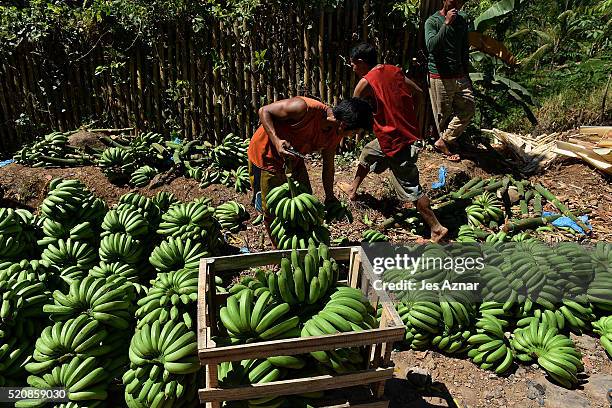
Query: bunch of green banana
{"x": 554, "y": 352}
{"x": 501, "y": 311}
{"x": 484, "y": 208}
{"x": 551, "y": 318}
{"x": 141, "y": 204}
{"x": 143, "y": 148}
{"x": 117, "y": 164}
{"x": 163, "y": 359}
{"x": 574, "y": 263}
{"x": 122, "y": 248}
{"x": 258, "y": 283}
{"x": 497, "y": 287}
{"x": 176, "y": 391}
{"x": 172, "y": 296}
{"x": 300, "y": 282}
{"x": 458, "y": 311}
{"x": 423, "y": 320}
{"x": 231, "y": 153}
{"x": 34, "y": 270}
{"x": 603, "y": 327}
{"x": 347, "y": 310}
{"x": 338, "y": 210}
{"x": 526, "y": 272}
{"x": 20, "y": 296}
{"x": 126, "y": 221}
{"x": 73, "y": 258}
{"x": 213, "y": 175}
{"x": 174, "y": 254}
{"x": 231, "y": 215}
{"x": 598, "y": 291}
{"x": 142, "y": 176}
{"x": 195, "y": 221}
{"x": 83, "y": 378}
{"x": 300, "y": 210}
{"x": 12, "y": 245}
{"x": 260, "y": 371}
{"x": 54, "y": 150}
{"x": 467, "y": 234}
{"x": 15, "y": 353}
{"x": 521, "y": 236}
{"x": 168, "y": 346}
{"x": 340, "y": 360}
{"x": 452, "y": 340}
{"x": 297, "y": 238}
{"x": 107, "y": 300}
{"x": 242, "y": 181}
{"x": 69, "y": 202}
{"x": 53, "y": 231}
{"x": 81, "y": 336}
{"x": 491, "y": 349}
{"x": 298, "y": 217}
{"x": 499, "y": 236}
{"x": 577, "y": 314}
{"x": 164, "y": 200}
{"x": 372, "y": 236}
{"x": 247, "y": 319}
{"x": 105, "y": 270}
{"x": 195, "y": 173}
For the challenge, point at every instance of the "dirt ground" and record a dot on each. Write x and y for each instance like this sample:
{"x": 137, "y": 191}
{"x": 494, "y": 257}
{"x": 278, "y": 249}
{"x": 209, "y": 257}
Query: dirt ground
{"x": 456, "y": 382}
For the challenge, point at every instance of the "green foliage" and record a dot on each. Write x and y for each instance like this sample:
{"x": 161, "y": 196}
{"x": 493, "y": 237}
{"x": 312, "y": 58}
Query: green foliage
{"x": 408, "y": 10}
{"x": 569, "y": 96}
{"x": 496, "y": 11}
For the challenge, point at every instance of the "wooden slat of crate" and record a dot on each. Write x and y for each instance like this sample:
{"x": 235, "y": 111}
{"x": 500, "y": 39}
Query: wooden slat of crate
{"x": 294, "y": 346}
{"x": 296, "y": 385}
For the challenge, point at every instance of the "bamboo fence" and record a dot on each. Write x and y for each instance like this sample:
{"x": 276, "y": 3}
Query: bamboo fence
{"x": 201, "y": 84}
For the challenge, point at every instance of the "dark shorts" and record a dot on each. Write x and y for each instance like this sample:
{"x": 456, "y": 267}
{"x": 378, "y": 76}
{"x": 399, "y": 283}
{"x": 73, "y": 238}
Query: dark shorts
{"x": 404, "y": 172}
{"x": 263, "y": 181}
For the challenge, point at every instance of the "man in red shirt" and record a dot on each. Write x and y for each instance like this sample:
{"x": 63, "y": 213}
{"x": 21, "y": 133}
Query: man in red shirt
{"x": 395, "y": 99}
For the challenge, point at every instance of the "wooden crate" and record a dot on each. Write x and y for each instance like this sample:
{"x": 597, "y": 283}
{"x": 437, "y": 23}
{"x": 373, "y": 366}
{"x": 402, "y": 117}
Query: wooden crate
{"x": 379, "y": 341}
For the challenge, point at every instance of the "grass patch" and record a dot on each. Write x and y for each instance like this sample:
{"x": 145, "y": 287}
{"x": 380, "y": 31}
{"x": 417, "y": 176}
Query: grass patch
{"x": 569, "y": 96}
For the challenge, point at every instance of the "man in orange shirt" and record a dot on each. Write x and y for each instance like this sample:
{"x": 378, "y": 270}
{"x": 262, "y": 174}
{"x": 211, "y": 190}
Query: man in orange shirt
{"x": 303, "y": 125}
{"x": 395, "y": 99}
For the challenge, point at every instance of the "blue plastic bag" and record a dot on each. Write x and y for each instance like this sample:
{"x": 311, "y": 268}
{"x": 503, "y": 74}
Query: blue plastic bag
{"x": 441, "y": 178}
{"x": 566, "y": 222}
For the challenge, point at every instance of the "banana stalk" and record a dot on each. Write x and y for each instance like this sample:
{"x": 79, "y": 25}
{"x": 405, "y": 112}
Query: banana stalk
{"x": 561, "y": 207}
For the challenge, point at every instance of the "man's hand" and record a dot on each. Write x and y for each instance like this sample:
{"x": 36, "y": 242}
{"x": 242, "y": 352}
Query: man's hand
{"x": 451, "y": 15}
{"x": 282, "y": 146}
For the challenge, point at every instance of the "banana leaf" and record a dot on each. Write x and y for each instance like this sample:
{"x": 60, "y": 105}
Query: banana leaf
{"x": 492, "y": 47}
{"x": 502, "y": 83}
{"x": 490, "y": 16}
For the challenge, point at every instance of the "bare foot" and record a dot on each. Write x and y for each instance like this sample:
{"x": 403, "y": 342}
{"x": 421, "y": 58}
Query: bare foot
{"x": 347, "y": 189}
{"x": 439, "y": 234}
{"x": 442, "y": 147}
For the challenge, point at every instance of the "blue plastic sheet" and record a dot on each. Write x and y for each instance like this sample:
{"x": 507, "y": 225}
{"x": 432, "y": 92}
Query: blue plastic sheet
{"x": 6, "y": 162}
{"x": 441, "y": 178}
{"x": 566, "y": 222}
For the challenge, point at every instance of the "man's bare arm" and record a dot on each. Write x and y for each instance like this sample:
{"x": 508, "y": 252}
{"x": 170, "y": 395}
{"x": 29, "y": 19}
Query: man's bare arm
{"x": 363, "y": 89}
{"x": 292, "y": 109}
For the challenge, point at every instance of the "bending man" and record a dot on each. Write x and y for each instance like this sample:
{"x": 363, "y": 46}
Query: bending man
{"x": 303, "y": 125}
{"x": 396, "y": 128}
